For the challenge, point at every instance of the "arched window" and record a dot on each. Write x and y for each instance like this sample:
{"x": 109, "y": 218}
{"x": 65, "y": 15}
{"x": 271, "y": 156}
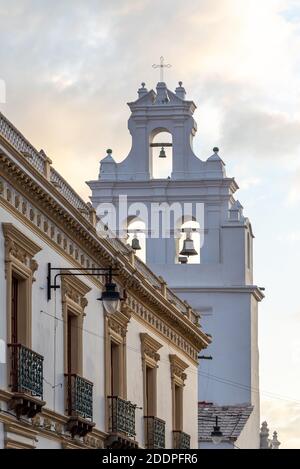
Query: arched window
{"x": 189, "y": 230}
{"x": 136, "y": 229}
{"x": 161, "y": 154}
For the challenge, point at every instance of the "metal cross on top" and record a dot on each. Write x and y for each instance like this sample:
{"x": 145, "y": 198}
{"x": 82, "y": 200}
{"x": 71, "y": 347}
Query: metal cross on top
{"x": 161, "y": 66}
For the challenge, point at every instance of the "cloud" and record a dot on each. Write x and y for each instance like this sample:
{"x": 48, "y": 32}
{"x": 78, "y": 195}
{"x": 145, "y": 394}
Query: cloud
{"x": 78, "y": 63}
{"x": 294, "y": 189}
{"x": 293, "y": 236}
{"x": 260, "y": 134}
{"x": 283, "y": 417}
{"x": 249, "y": 182}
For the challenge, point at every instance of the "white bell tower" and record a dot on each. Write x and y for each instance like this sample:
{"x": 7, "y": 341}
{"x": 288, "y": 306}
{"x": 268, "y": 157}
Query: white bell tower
{"x": 219, "y": 281}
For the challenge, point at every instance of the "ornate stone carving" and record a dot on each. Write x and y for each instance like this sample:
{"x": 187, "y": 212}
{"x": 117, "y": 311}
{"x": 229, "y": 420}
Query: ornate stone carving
{"x": 178, "y": 368}
{"x": 19, "y": 248}
{"x": 17, "y": 201}
{"x": 117, "y": 327}
{"x": 8, "y": 194}
{"x": 74, "y": 290}
{"x": 150, "y": 348}
{"x": 24, "y": 208}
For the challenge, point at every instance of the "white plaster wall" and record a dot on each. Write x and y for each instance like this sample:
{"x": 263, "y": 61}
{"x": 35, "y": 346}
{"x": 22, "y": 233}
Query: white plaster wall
{"x": 47, "y": 339}
{"x": 47, "y": 327}
{"x": 47, "y": 443}
{"x": 164, "y": 392}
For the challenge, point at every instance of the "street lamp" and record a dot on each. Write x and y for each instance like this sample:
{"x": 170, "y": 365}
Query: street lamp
{"x": 110, "y": 296}
{"x": 216, "y": 434}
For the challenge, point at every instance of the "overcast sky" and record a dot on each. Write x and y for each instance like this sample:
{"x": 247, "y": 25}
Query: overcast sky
{"x": 70, "y": 67}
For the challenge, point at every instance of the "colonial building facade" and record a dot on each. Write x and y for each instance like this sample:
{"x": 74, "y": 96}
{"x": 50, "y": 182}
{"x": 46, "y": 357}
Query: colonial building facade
{"x": 212, "y": 268}
{"x": 73, "y": 373}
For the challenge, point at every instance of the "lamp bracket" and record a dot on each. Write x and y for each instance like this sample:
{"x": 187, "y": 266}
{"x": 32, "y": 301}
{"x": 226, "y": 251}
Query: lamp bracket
{"x": 74, "y": 271}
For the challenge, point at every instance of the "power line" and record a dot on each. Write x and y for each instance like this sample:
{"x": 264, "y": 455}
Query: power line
{"x": 209, "y": 376}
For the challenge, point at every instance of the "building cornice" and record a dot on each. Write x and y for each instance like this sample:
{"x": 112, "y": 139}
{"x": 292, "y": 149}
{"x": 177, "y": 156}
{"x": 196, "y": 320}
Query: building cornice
{"x": 165, "y": 184}
{"x": 247, "y": 289}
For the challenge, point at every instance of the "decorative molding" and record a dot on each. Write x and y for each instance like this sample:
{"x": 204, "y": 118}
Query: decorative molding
{"x": 19, "y": 252}
{"x": 149, "y": 347}
{"x": 50, "y": 425}
{"x": 117, "y": 324}
{"x": 248, "y": 289}
{"x": 14, "y": 444}
{"x": 178, "y": 377}
{"x": 19, "y": 436}
{"x": 161, "y": 326}
{"x": 20, "y": 248}
{"x": 73, "y": 292}
{"x": 115, "y": 331}
{"x": 150, "y": 359}
{"x": 178, "y": 368}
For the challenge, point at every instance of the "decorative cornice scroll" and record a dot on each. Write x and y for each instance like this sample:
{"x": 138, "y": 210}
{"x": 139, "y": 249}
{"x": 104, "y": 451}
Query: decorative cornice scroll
{"x": 150, "y": 348}
{"x": 117, "y": 323}
{"x": 19, "y": 248}
{"x": 73, "y": 292}
{"x": 178, "y": 368}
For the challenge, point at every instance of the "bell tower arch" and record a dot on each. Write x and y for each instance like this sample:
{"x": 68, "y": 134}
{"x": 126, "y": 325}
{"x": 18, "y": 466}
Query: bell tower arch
{"x": 156, "y": 111}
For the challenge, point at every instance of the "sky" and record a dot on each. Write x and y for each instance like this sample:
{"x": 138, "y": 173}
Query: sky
{"x": 71, "y": 66}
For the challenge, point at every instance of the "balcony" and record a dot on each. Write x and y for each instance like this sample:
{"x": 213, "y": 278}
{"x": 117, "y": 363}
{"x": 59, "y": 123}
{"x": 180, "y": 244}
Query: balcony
{"x": 155, "y": 432}
{"x": 121, "y": 423}
{"x": 181, "y": 440}
{"x": 26, "y": 371}
{"x": 79, "y": 405}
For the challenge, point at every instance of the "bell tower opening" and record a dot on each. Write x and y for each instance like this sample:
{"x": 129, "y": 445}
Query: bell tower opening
{"x": 188, "y": 243}
{"x": 161, "y": 154}
{"x": 136, "y": 232}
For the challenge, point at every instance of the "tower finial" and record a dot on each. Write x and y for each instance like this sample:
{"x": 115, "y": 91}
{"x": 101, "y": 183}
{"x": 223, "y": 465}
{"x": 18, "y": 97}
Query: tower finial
{"x": 161, "y": 66}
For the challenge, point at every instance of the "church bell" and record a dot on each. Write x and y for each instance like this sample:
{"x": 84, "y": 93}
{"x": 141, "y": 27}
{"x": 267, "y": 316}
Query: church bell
{"x": 188, "y": 247}
{"x": 135, "y": 244}
{"x": 162, "y": 153}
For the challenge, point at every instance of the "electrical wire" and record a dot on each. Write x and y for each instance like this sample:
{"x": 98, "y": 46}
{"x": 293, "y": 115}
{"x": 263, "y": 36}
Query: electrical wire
{"x": 208, "y": 376}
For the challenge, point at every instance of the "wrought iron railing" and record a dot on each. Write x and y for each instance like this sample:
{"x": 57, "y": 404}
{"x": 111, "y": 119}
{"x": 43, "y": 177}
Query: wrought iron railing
{"x": 155, "y": 432}
{"x": 80, "y": 396}
{"x": 121, "y": 416}
{"x": 26, "y": 370}
{"x": 181, "y": 440}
